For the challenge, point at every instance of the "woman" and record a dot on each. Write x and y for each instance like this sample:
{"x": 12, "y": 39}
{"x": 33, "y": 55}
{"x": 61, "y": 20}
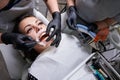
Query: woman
{"x": 11, "y": 9}
{"x": 52, "y": 63}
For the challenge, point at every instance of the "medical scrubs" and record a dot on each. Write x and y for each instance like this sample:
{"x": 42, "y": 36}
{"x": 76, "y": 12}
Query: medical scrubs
{"x": 7, "y": 17}
{"x": 96, "y": 10}
{"x": 56, "y": 63}
{"x": 14, "y": 61}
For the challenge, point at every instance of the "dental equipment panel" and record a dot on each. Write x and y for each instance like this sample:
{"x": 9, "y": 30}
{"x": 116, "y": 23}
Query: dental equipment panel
{"x": 97, "y": 62}
{"x": 95, "y": 67}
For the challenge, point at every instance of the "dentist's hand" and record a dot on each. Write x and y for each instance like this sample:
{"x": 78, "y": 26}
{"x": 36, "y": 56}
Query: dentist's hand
{"x": 56, "y": 25}
{"x": 20, "y": 41}
{"x": 92, "y": 27}
{"x": 71, "y": 21}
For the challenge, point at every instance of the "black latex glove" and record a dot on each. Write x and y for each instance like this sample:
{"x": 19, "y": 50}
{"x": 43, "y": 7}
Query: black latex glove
{"x": 71, "y": 20}
{"x": 92, "y": 27}
{"x": 21, "y": 42}
{"x": 56, "y": 25}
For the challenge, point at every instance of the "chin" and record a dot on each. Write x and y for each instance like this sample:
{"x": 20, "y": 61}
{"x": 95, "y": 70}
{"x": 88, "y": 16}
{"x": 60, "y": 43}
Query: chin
{"x": 42, "y": 46}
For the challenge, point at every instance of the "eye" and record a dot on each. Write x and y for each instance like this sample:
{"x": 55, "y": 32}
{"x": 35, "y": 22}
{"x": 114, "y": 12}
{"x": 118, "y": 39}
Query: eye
{"x": 40, "y": 23}
{"x": 29, "y": 30}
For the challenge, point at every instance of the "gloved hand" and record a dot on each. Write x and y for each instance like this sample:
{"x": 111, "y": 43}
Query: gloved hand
{"x": 56, "y": 25}
{"x": 71, "y": 21}
{"x": 92, "y": 27}
{"x": 102, "y": 35}
{"x": 102, "y": 31}
{"x": 20, "y": 41}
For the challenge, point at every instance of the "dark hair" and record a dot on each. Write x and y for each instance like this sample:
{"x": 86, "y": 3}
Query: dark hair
{"x": 32, "y": 54}
{"x": 18, "y": 20}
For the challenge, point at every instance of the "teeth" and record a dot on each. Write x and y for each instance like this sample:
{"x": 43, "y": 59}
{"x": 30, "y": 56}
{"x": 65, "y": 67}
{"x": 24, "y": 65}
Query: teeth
{"x": 37, "y": 40}
{"x": 42, "y": 44}
{"x": 42, "y": 35}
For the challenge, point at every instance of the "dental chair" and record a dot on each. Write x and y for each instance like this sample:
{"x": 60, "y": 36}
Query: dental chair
{"x": 12, "y": 63}
{"x": 16, "y": 65}
{"x": 4, "y": 75}
{"x": 64, "y": 29}
{"x": 82, "y": 68}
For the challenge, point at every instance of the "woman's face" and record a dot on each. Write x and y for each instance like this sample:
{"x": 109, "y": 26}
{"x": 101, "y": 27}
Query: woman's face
{"x": 35, "y": 28}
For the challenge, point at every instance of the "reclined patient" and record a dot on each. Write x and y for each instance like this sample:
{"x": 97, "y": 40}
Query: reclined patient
{"x": 51, "y": 63}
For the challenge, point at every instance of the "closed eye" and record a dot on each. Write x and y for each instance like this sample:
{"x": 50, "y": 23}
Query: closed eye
{"x": 28, "y": 31}
{"x": 40, "y": 23}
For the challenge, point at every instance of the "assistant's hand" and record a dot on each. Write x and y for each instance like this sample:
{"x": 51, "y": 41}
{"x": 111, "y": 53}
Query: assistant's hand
{"x": 92, "y": 27}
{"x": 21, "y": 42}
{"x": 56, "y": 25}
{"x": 102, "y": 31}
{"x": 71, "y": 20}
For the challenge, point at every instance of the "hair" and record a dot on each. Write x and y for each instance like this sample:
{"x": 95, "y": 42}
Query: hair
{"x": 19, "y": 19}
{"x": 32, "y": 54}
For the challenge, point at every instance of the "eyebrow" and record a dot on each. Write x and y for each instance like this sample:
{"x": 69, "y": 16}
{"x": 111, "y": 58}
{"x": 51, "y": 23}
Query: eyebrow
{"x": 35, "y": 22}
{"x": 27, "y": 26}
{"x": 30, "y": 24}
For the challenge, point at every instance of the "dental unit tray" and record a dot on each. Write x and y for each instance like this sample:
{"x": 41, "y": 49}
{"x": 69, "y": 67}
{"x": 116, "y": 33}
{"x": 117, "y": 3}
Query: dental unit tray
{"x": 97, "y": 65}
{"x": 84, "y": 29}
{"x": 87, "y": 36}
{"x": 102, "y": 66}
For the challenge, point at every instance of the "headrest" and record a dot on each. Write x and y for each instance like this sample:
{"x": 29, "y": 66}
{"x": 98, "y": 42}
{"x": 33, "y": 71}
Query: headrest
{"x": 40, "y": 16}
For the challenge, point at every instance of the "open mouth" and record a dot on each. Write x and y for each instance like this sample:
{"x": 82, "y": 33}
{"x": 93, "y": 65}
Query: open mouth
{"x": 43, "y": 36}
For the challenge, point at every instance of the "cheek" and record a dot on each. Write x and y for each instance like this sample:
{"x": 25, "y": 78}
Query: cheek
{"x": 33, "y": 35}
{"x": 44, "y": 27}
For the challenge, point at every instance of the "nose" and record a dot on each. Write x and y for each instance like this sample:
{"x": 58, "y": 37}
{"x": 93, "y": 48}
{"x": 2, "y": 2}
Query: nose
{"x": 37, "y": 28}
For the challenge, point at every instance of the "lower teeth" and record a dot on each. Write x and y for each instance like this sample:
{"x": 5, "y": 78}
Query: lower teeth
{"x": 42, "y": 44}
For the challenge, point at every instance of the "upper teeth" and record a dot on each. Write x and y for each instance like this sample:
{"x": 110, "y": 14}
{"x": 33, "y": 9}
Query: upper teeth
{"x": 42, "y": 35}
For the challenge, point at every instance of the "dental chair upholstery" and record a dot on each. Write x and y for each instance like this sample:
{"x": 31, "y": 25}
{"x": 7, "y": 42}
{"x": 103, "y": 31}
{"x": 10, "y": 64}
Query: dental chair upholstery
{"x": 12, "y": 64}
{"x": 4, "y": 75}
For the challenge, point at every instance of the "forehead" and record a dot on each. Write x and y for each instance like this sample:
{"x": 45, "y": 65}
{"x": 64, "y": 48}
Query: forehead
{"x": 30, "y": 19}
{"x": 27, "y": 21}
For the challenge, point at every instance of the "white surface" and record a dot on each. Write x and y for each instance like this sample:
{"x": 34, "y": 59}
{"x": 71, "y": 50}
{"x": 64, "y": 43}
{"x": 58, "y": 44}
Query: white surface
{"x": 40, "y": 16}
{"x": 81, "y": 72}
{"x": 14, "y": 61}
{"x": 56, "y": 63}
